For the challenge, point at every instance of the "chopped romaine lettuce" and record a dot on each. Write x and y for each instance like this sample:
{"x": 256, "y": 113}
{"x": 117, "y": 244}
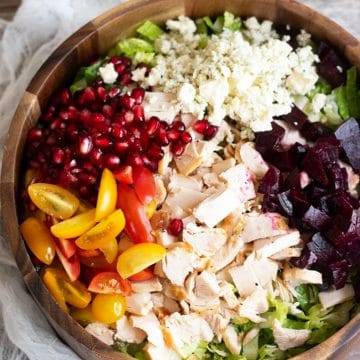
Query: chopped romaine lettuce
{"x": 342, "y": 103}
{"x": 231, "y": 22}
{"x": 85, "y": 77}
{"x": 226, "y": 21}
{"x": 307, "y": 295}
{"x": 270, "y": 352}
{"x": 129, "y": 47}
{"x": 250, "y": 350}
{"x": 321, "y": 87}
{"x": 203, "y": 41}
{"x": 201, "y": 27}
{"x": 150, "y": 30}
{"x": 135, "y": 350}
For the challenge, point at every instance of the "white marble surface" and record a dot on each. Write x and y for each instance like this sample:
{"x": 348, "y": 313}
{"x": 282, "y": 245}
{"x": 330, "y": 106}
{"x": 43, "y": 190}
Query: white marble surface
{"x": 345, "y": 12}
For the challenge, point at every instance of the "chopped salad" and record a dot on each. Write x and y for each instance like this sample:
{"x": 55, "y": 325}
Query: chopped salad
{"x": 194, "y": 194}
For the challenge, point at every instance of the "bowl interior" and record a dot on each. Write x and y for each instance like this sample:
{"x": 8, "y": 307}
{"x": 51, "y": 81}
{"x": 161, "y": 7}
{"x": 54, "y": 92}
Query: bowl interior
{"x": 96, "y": 38}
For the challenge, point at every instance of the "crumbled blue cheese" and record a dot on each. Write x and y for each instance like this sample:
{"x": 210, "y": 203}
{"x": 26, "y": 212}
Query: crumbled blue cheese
{"x": 108, "y": 73}
{"x": 251, "y": 76}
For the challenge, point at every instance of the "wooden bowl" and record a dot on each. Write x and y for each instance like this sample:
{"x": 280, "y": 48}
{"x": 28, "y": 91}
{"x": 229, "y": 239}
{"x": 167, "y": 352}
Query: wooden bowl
{"x": 97, "y": 37}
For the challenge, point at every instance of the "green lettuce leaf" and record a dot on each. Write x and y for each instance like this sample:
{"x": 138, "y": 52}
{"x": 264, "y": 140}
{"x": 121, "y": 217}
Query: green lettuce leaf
{"x": 231, "y": 22}
{"x": 85, "y": 77}
{"x": 270, "y": 352}
{"x": 135, "y": 350}
{"x": 307, "y": 295}
{"x": 321, "y": 87}
{"x": 250, "y": 350}
{"x": 150, "y": 30}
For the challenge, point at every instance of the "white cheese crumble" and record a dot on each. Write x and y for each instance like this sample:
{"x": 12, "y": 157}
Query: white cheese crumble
{"x": 108, "y": 73}
{"x": 251, "y": 76}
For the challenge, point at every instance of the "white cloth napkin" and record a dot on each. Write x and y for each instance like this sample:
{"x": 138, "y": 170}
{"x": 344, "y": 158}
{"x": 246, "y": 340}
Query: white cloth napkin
{"x": 37, "y": 29}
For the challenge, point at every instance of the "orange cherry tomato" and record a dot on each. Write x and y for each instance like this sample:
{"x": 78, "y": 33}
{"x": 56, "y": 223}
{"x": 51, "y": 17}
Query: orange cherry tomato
{"x": 103, "y": 232}
{"x": 144, "y": 184}
{"x": 71, "y": 266}
{"x": 66, "y": 246}
{"x": 143, "y": 275}
{"x": 53, "y": 280}
{"x": 98, "y": 262}
{"x": 53, "y": 200}
{"x": 88, "y": 253}
{"x": 75, "y": 226}
{"x": 108, "y": 308}
{"x": 39, "y": 239}
{"x": 83, "y": 316}
{"x": 124, "y": 174}
{"x": 106, "y": 201}
{"x": 76, "y": 294}
{"x": 110, "y": 250}
{"x": 109, "y": 283}
{"x": 138, "y": 226}
{"x": 138, "y": 258}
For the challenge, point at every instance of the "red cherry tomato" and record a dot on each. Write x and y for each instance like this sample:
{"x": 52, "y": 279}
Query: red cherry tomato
{"x": 143, "y": 275}
{"x": 109, "y": 283}
{"x": 137, "y": 225}
{"x": 66, "y": 246}
{"x": 71, "y": 266}
{"x": 124, "y": 174}
{"x": 144, "y": 184}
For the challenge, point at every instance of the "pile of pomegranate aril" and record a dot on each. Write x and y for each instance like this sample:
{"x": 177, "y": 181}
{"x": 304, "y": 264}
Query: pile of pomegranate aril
{"x": 309, "y": 185}
{"x": 79, "y": 135}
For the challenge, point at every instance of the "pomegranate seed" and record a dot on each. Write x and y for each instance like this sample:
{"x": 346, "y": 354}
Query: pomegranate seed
{"x": 186, "y": 137}
{"x": 117, "y": 131}
{"x": 211, "y": 131}
{"x": 129, "y": 116}
{"x": 138, "y": 95}
{"x": 115, "y": 60}
{"x": 85, "y": 145}
{"x": 89, "y": 95}
{"x": 97, "y": 118}
{"x": 98, "y": 83}
{"x": 161, "y": 137}
{"x": 200, "y": 126}
{"x": 144, "y": 139}
{"x": 152, "y": 125}
{"x": 135, "y": 159}
{"x": 34, "y": 164}
{"x": 173, "y": 135}
{"x": 155, "y": 152}
{"x": 135, "y": 145}
{"x": 112, "y": 161}
{"x": 144, "y": 66}
{"x": 102, "y": 142}
{"x": 108, "y": 111}
{"x": 113, "y": 92}
{"x": 70, "y": 163}
{"x": 56, "y": 124}
{"x": 85, "y": 116}
{"x": 35, "y": 134}
{"x": 120, "y": 69}
{"x": 127, "y": 102}
{"x": 96, "y": 156}
{"x": 73, "y": 113}
{"x": 101, "y": 93}
{"x": 164, "y": 125}
{"x": 87, "y": 179}
{"x": 84, "y": 191}
{"x": 48, "y": 116}
{"x": 175, "y": 227}
{"x": 121, "y": 146}
{"x": 126, "y": 78}
{"x": 64, "y": 96}
{"x": 51, "y": 140}
{"x": 58, "y": 156}
{"x": 120, "y": 119}
{"x": 178, "y": 125}
{"x": 100, "y": 129}
{"x": 138, "y": 113}
{"x": 177, "y": 148}
{"x": 96, "y": 107}
{"x": 88, "y": 166}
{"x": 126, "y": 61}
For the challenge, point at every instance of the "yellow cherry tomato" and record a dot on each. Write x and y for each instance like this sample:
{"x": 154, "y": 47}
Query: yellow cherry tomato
{"x": 105, "y": 231}
{"x": 138, "y": 258}
{"x": 83, "y": 207}
{"x": 83, "y": 316}
{"x": 52, "y": 280}
{"x": 150, "y": 208}
{"x": 76, "y": 294}
{"x": 106, "y": 201}
{"x": 38, "y": 238}
{"x": 75, "y": 226}
{"x": 108, "y": 308}
{"x": 53, "y": 200}
{"x": 110, "y": 250}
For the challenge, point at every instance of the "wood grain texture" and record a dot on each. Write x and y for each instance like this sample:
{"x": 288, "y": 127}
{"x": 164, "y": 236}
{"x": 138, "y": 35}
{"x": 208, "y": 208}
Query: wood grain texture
{"x": 8, "y": 8}
{"x": 93, "y": 39}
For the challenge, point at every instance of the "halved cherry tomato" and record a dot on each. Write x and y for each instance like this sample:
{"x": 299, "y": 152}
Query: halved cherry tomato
{"x": 143, "y": 275}
{"x": 83, "y": 207}
{"x": 124, "y": 243}
{"x": 53, "y": 279}
{"x": 124, "y": 174}
{"x": 53, "y": 200}
{"x": 108, "y": 308}
{"x": 76, "y": 294}
{"x": 88, "y": 253}
{"x": 103, "y": 232}
{"x": 150, "y": 208}
{"x": 98, "y": 262}
{"x": 138, "y": 258}
{"x": 110, "y": 283}
{"x": 66, "y": 246}
{"x": 144, "y": 184}
{"x": 39, "y": 239}
{"x": 106, "y": 201}
{"x": 110, "y": 250}
{"x": 138, "y": 226}
{"x": 83, "y": 316}
{"x": 71, "y": 266}
{"x": 75, "y": 226}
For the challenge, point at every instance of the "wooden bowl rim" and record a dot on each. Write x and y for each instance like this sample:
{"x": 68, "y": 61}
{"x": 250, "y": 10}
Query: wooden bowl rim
{"x": 29, "y": 105}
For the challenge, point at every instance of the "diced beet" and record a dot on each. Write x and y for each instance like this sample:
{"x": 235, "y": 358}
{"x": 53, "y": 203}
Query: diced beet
{"x": 298, "y": 152}
{"x": 282, "y": 160}
{"x": 329, "y": 64}
{"x": 270, "y": 141}
{"x": 331, "y": 140}
{"x": 348, "y": 245}
{"x": 338, "y": 203}
{"x": 349, "y": 134}
{"x": 340, "y": 273}
{"x": 271, "y": 182}
{"x": 271, "y": 203}
{"x": 316, "y": 218}
{"x": 323, "y": 204}
{"x": 299, "y": 201}
{"x": 338, "y": 177}
{"x": 328, "y": 153}
{"x": 315, "y": 193}
{"x": 327, "y": 279}
{"x": 305, "y": 260}
{"x": 355, "y": 280}
{"x": 293, "y": 179}
{"x": 323, "y": 250}
{"x": 285, "y": 203}
{"x": 314, "y": 131}
{"x": 312, "y": 163}
{"x": 296, "y": 118}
